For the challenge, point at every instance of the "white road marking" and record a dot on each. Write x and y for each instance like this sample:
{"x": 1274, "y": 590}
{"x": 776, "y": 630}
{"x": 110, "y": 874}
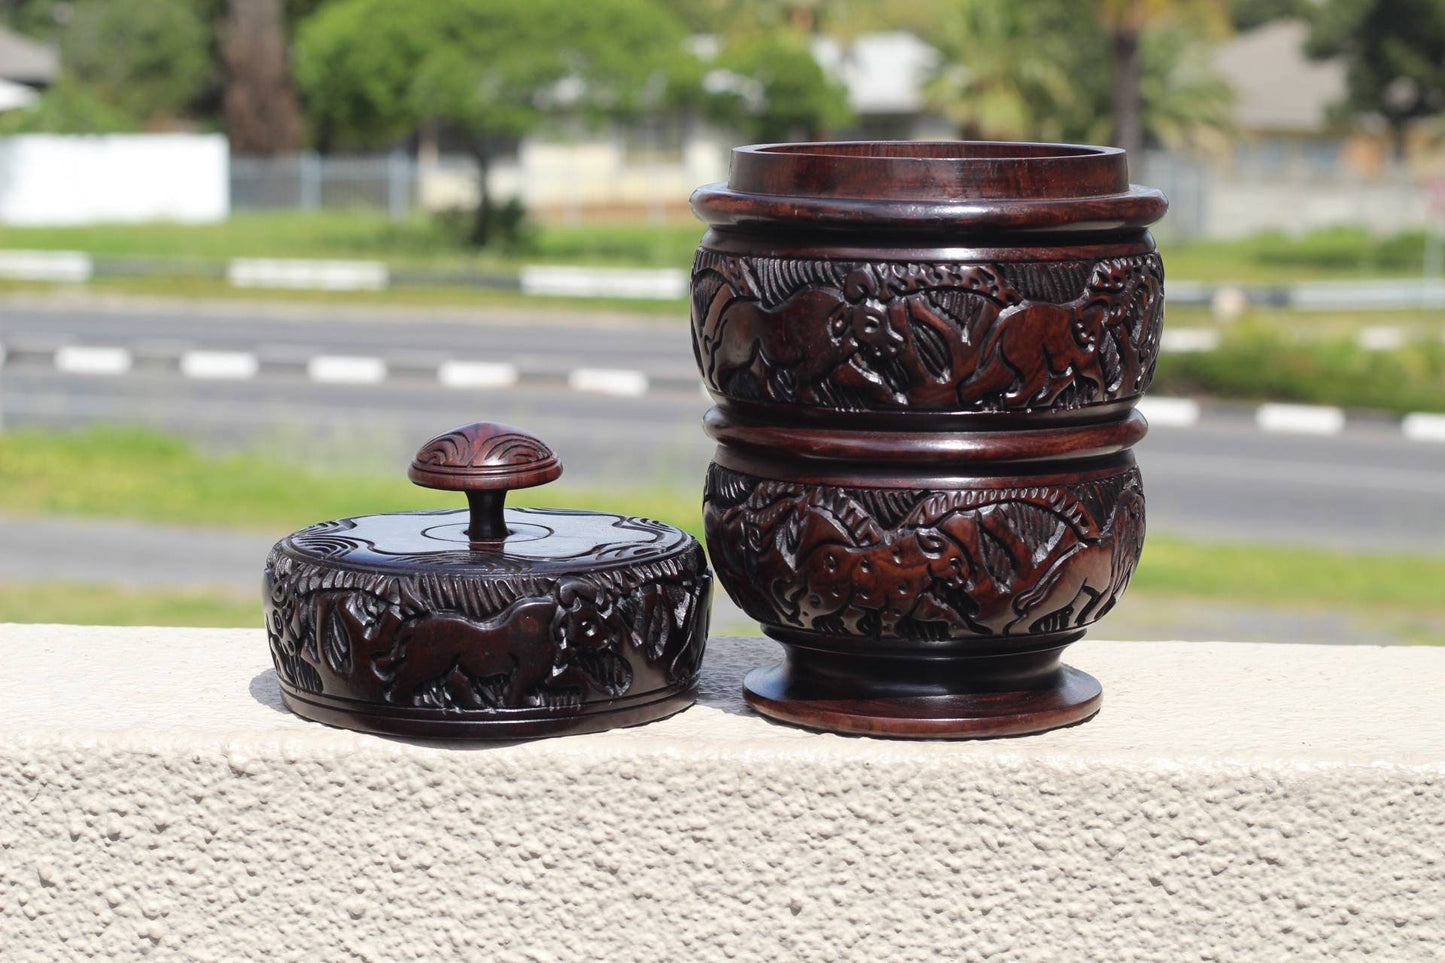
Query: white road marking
{"x": 1382, "y": 294}
{"x": 585, "y": 282}
{"x": 1300, "y": 419}
{"x": 1187, "y": 292}
{"x": 609, "y": 381}
{"x": 477, "y": 374}
{"x": 1379, "y": 338}
{"x": 1423, "y": 426}
{"x": 46, "y": 266}
{"x": 87, "y": 360}
{"x": 1228, "y": 303}
{"x": 1173, "y": 412}
{"x": 339, "y": 369}
{"x": 249, "y": 272}
{"x": 1188, "y": 339}
{"x": 220, "y": 365}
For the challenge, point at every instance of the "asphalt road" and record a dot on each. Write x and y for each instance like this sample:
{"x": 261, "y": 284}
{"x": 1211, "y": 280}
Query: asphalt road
{"x": 1222, "y": 478}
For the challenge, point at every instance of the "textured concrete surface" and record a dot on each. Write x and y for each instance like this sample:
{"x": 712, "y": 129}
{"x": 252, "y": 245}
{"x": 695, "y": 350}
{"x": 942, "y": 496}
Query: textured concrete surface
{"x": 1231, "y": 802}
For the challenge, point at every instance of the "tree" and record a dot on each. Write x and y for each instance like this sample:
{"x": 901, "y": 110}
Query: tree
{"x": 66, "y": 108}
{"x": 1007, "y": 70}
{"x": 842, "y": 19}
{"x": 780, "y": 92}
{"x": 1395, "y": 52}
{"x": 258, "y": 108}
{"x": 150, "y": 59}
{"x": 1182, "y": 101}
{"x": 1248, "y": 14}
{"x": 1126, "y": 22}
{"x": 42, "y": 19}
{"x": 372, "y": 71}
{"x": 1029, "y": 71}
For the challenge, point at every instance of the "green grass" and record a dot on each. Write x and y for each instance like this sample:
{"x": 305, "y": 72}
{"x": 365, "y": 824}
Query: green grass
{"x": 85, "y": 604}
{"x": 147, "y": 475}
{"x": 670, "y": 311}
{"x": 1416, "y": 323}
{"x": 1271, "y": 575}
{"x": 363, "y": 233}
{"x": 1339, "y": 252}
{"x": 144, "y": 475}
{"x": 1258, "y": 361}
{"x": 422, "y": 240}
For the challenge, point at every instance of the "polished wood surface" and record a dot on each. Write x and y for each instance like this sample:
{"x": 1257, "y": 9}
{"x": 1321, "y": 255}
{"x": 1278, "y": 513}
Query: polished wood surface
{"x": 929, "y": 171}
{"x": 925, "y": 359}
{"x": 485, "y": 460}
{"x": 490, "y": 623}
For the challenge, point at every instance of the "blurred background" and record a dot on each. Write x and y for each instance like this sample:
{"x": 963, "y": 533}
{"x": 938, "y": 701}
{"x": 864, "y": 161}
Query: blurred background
{"x": 253, "y": 252}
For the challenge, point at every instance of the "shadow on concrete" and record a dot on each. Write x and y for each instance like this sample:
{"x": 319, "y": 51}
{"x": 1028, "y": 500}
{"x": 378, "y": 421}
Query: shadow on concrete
{"x": 265, "y": 688}
{"x": 727, "y": 660}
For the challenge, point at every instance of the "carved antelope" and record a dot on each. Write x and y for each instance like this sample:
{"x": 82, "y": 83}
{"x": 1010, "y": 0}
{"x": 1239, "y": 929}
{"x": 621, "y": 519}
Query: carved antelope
{"x": 1094, "y": 572}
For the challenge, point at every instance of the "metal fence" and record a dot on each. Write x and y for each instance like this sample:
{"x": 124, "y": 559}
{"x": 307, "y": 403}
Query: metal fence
{"x": 312, "y": 181}
{"x": 1204, "y": 200}
{"x": 1187, "y": 182}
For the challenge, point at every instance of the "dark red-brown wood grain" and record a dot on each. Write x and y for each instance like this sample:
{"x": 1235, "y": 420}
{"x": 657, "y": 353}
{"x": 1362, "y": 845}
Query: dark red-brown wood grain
{"x": 925, "y": 358}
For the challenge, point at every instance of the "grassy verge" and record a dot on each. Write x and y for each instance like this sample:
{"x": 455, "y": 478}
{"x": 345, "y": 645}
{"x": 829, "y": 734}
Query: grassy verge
{"x": 670, "y": 311}
{"x": 1267, "y": 574}
{"x": 435, "y": 242}
{"x": 147, "y": 475}
{"x": 85, "y": 604}
{"x": 1272, "y": 258}
{"x": 1413, "y": 323}
{"x": 1257, "y": 361}
{"x": 144, "y": 475}
{"x": 418, "y": 241}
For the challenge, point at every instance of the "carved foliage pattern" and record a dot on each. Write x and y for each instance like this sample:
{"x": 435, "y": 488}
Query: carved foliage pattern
{"x": 443, "y": 640}
{"x": 924, "y": 565}
{"x": 954, "y": 336}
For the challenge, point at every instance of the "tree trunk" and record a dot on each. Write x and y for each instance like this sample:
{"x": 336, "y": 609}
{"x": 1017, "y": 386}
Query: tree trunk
{"x": 482, "y": 152}
{"x": 1128, "y": 112}
{"x": 1399, "y": 140}
{"x": 259, "y": 109}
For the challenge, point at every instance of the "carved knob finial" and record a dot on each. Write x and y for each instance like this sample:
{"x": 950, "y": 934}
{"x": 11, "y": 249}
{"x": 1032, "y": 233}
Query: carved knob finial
{"x": 486, "y": 460}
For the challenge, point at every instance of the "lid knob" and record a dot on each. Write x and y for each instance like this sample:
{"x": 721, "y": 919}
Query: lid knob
{"x": 486, "y": 460}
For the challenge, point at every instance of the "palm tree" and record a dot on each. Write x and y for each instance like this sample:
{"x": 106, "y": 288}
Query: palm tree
{"x": 1004, "y": 72}
{"x": 1029, "y": 69}
{"x": 1126, "y": 22}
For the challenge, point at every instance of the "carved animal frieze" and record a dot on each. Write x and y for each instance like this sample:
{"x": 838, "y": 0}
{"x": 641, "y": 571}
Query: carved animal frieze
{"x": 924, "y": 564}
{"x": 947, "y": 336}
{"x": 447, "y": 640}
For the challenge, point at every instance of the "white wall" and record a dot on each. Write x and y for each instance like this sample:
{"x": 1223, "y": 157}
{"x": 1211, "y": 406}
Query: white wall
{"x": 50, "y": 179}
{"x": 587, "y": 173}
{"x": 1238, "y": 207}
{"x": 1248, "y": 198}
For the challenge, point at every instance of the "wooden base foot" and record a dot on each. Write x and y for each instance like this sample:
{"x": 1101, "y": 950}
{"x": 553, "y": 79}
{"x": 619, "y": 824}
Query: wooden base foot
{"x": 924, "y": 696}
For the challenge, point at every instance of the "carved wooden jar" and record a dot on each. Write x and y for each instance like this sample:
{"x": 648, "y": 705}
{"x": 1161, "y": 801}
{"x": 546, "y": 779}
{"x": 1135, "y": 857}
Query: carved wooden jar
{"x": 925, "y": 358}
{"x": 487, "y": 622}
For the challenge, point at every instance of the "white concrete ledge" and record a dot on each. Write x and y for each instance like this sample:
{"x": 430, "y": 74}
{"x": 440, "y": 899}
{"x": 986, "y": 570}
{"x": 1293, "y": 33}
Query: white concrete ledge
{"x": 1231, "y": 802}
